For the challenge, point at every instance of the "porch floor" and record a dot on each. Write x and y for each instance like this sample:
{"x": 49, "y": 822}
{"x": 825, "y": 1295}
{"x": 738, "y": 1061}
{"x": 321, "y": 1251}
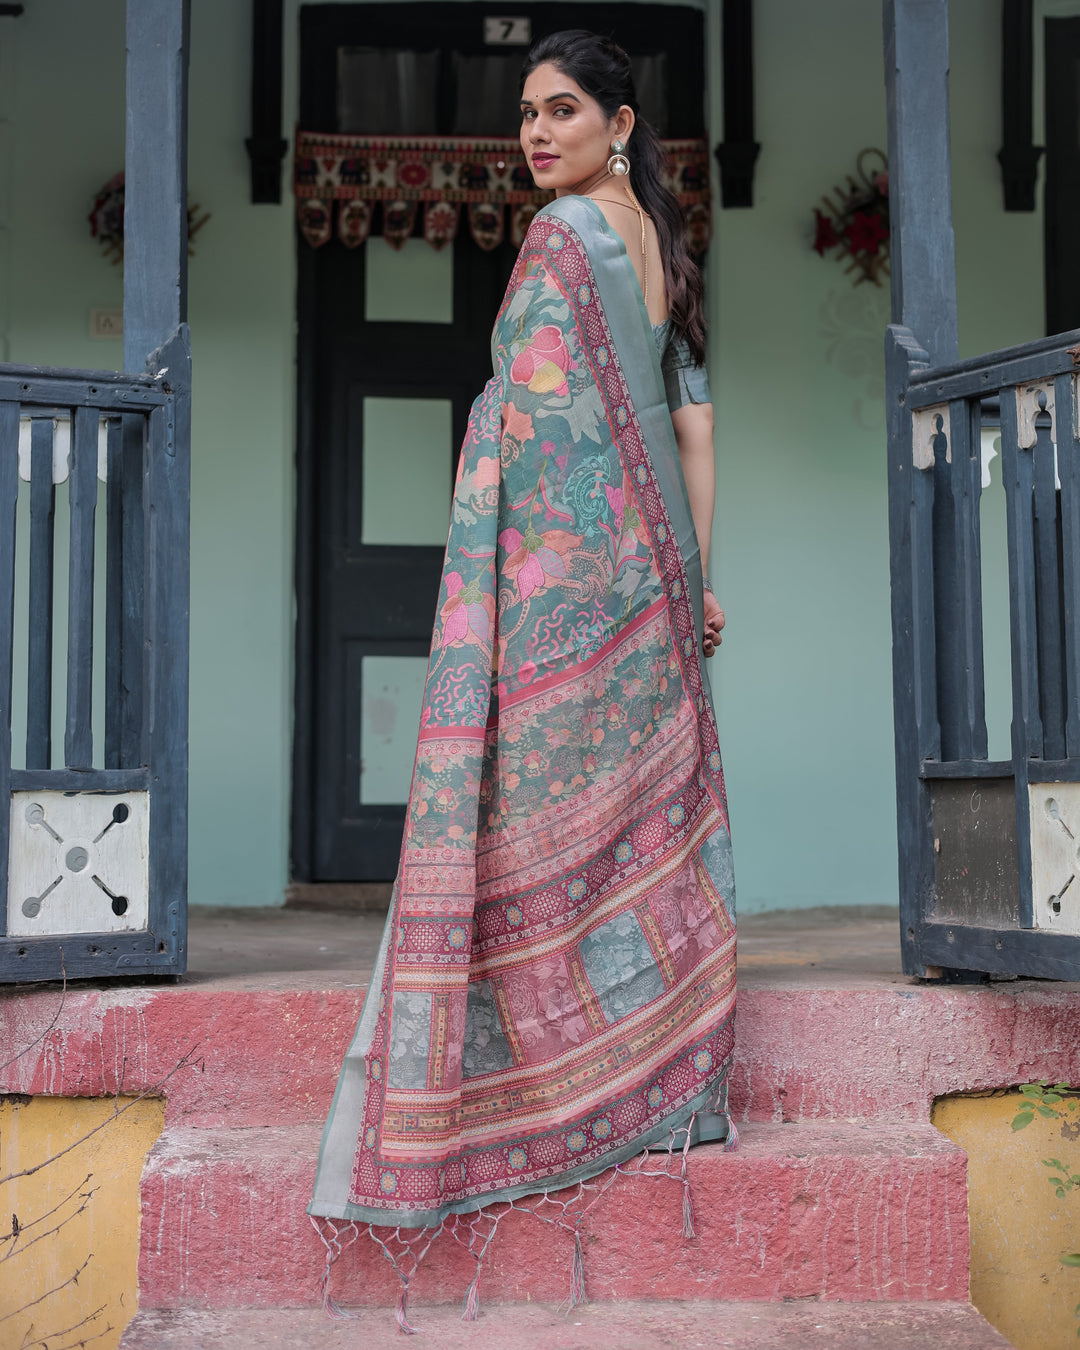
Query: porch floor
{"x": 832, "y": 946}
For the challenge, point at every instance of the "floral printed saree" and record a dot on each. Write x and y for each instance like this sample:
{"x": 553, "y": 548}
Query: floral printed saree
{"x": 556, "y": 984}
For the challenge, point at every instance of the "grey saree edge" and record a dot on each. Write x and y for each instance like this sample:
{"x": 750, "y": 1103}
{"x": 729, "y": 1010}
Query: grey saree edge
{"x": 343, "y": 1123}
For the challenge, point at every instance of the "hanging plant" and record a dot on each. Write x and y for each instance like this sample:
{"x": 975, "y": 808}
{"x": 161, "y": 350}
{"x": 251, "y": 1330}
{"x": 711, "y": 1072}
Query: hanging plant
{"x": 853, "y": 223}
{"x": 107, "y": 219}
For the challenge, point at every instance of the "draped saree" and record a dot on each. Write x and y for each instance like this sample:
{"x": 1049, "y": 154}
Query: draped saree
{"x": 556, "y": 983}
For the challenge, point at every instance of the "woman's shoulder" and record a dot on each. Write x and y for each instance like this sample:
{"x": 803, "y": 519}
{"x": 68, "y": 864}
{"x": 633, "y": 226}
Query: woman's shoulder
{"x": 580, "y": 213}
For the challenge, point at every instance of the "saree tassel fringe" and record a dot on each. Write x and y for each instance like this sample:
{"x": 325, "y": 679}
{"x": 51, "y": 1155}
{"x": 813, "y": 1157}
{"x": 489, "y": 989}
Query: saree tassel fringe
{"x": 402, "y": 1314}
{"x": 577, "y": 1275}
{"x": 688, "y": 1229}
{"x": 470, "y": 1304}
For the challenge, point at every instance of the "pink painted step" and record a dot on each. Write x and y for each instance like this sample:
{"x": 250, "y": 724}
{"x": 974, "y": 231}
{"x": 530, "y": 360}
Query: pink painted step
{"x": 868, "y": 1210}
{"x": 596, "y": 1326}
{"x": 265, "y": 1050}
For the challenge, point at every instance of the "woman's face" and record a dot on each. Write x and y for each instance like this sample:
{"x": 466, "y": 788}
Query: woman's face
{"x": 565, "y": 134}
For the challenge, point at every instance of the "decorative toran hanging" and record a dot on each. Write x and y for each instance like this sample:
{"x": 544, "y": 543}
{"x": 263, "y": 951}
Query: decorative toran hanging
{"x": 486, "y": 175}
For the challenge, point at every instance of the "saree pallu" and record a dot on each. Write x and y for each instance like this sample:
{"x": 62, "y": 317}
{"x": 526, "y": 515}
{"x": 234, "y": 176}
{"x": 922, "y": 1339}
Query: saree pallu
{"x": 555, "y": 988}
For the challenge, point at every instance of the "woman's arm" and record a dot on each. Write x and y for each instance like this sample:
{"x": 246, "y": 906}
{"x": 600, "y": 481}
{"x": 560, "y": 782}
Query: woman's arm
{"x": 693, "y": 424}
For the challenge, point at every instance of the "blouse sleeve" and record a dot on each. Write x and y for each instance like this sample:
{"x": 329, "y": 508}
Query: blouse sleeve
{"x": 684, "y": 381}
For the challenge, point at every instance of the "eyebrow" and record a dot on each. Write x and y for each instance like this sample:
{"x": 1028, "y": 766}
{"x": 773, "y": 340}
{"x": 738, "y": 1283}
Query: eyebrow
{"x": 552, "y": 98}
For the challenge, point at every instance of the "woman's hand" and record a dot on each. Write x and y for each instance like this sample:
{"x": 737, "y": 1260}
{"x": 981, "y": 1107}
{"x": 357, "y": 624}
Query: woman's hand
{"x": 714, "y": 623}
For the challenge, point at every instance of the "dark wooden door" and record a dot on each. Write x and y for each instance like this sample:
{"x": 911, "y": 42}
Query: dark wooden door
{"x": 1062, "y": 195}
{"x": 393, "y": 349}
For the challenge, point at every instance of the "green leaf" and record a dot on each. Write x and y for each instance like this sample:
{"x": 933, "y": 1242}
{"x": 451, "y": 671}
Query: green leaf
{"x": 1070, "y": 1259}
{"x": 1054, "y": 1162}
{"x": 1032, "y": 1089}
{"x": 1060, "y": 1193}
{"x": 1024, "y": 1118}
{"x": 1047, "y": 1112}
{"x": 1052, "y": 1097}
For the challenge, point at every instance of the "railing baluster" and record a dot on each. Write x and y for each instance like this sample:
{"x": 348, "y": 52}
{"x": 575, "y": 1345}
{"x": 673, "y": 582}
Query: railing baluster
{"x": 923, "y": 638}
{"x": 1068, "y": 454}
{"x": 39, "y": 644}
{"x": 1017, "y": 479}
{"x": 79, "y": 736}
{"x": 114, "y": 583}
{"x": 9, "y": 494}
{"x": 1048, "y": 611}
{"x": 124, "y": 652}
{"x": 958, "y": 587}
{"x": 966, "y": 418}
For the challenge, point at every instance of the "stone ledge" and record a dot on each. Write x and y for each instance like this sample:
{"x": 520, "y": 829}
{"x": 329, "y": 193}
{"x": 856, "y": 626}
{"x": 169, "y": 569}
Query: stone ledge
{"x": 266, "y": 1049}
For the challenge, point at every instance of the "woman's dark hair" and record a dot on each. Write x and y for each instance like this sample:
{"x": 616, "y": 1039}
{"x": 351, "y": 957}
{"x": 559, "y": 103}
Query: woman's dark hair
{"x": 601, "y": 68}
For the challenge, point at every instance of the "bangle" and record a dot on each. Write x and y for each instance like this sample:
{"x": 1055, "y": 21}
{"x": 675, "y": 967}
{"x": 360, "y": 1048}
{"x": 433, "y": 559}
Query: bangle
{"x": 706, "y": 585}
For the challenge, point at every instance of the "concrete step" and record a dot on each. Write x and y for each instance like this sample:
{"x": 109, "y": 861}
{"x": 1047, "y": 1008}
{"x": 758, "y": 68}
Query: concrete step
{"x": 265, "y": 1050}
{"x": 595, "y": 1326}
{"x": 859, "y": 1210}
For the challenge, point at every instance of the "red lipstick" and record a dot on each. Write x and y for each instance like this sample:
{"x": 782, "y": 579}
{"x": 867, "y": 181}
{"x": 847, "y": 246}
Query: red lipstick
{"x": 542, "y": 160}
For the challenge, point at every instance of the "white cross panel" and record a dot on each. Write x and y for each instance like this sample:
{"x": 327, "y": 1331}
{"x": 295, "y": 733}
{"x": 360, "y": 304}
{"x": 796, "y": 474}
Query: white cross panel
{"x": 78, "y": 862}
{"x": 1055, "y": 855}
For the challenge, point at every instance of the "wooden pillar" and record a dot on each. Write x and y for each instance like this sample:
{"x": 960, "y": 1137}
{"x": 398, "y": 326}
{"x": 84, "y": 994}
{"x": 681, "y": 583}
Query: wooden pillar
{"x": 265, "y": 146}
{"x": 155, "y": 177}
{"x": 737, "y": 153}
{"x": 922, "y": 251}
{"x": 1019, "y": 156}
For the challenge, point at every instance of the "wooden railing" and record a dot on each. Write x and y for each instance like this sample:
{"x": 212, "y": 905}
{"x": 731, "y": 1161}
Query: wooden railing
{"x": 990, "y": 849}
{"x": 93, "y": 838}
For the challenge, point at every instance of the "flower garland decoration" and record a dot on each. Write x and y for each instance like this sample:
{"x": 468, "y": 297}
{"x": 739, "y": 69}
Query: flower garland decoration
{"x": 854, "y": 221}
{"x": 107, "y": 219}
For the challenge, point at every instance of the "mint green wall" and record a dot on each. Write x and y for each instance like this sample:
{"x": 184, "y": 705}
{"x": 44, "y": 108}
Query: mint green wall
{"x": 803, "y": 680}
{"x": 68, "y": 138}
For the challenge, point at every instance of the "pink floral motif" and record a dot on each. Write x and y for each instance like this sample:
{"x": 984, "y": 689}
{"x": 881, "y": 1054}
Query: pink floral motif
{"x": 534, "y": 560}
{"x": 544, "y": 363}
{"x": 517, "y": 425}
{"x": 468, "y": 615}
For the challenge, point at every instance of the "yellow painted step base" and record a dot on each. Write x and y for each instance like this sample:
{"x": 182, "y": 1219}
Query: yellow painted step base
{"x": 76, "y": 1216}
{"x": 1019, "y": 1227}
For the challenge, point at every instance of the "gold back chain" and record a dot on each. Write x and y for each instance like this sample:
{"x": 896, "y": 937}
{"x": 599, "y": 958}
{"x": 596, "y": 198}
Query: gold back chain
{"x": 634, "y": 205}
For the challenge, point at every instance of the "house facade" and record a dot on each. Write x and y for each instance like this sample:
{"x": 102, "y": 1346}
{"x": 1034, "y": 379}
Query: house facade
{"x": 801, "y": 555}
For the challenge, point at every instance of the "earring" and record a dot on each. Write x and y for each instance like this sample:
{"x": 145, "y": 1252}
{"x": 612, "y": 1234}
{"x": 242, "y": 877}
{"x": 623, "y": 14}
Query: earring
{"x": 618, "y": 163}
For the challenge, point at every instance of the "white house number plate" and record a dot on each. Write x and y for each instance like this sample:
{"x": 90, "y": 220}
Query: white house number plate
{"x": 507, "y": 31}
{"x": 78, "y": 862}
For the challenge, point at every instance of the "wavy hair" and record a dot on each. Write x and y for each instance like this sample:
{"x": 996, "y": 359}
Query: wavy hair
{"x": 600, "y": 67}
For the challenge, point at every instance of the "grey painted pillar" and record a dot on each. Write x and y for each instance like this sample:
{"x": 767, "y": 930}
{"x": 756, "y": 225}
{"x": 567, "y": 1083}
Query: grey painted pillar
{"x": 922, "y": 250}
{"x": 155, "y": 177}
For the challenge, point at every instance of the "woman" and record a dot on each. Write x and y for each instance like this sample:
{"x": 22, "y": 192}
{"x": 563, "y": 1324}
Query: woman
{"x": 555, "y": 989}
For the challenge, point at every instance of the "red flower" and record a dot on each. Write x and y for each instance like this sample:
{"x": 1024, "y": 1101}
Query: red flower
{"x": 544, "y": 363}
{"x": 866, "y": 233}
{"x": 825, "y": 236}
